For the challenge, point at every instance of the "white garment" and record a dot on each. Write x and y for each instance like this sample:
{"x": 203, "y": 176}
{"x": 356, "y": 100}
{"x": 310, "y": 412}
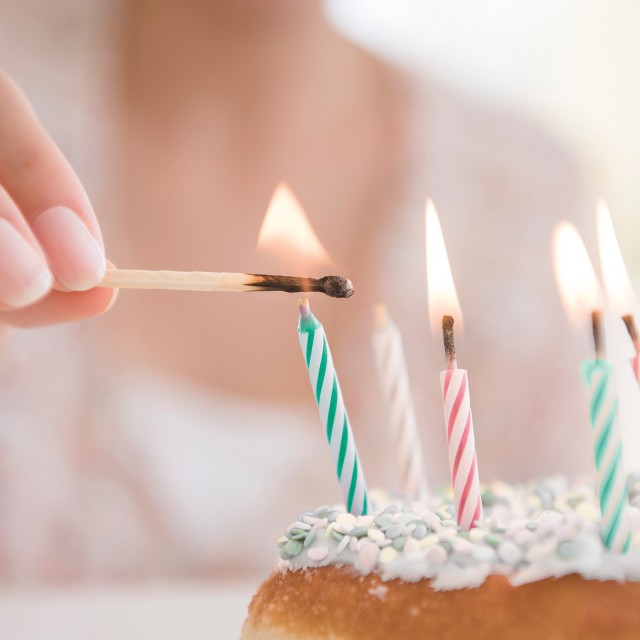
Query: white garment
{"x": 107, "y": 474}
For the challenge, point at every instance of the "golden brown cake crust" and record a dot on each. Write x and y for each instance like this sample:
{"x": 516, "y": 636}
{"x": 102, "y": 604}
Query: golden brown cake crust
{"x": 340, "y": 604}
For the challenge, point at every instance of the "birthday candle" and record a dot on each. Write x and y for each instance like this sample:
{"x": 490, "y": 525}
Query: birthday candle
{"x": 460, "y": 436}
{"x": 333, "y": 414}
{"x": 394, "y": 379}
{"x": 443, "y": 303}
{"x": 580, "y": 292}
{"x": 612, "y": 488}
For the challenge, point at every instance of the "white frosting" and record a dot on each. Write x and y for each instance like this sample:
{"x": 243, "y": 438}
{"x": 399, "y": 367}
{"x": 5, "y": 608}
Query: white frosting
{"x": 531, "y": 532}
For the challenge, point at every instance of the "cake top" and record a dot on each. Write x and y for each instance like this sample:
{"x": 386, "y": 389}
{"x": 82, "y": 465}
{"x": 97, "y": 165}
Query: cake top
{"x": 545, "y": 529}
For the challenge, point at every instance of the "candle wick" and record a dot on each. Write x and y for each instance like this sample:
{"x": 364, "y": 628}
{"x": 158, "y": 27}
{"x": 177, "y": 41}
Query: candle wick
{"x": 303, "y": 307}
{"x": 596, "y": 327}
{"x": 449, "y": 342}
{"x": 633, "y": 331}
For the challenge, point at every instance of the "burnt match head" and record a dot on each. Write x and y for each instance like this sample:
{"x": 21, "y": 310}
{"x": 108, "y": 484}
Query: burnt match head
{"x": 337, "y": 286}
{"x": 449, "y": 341}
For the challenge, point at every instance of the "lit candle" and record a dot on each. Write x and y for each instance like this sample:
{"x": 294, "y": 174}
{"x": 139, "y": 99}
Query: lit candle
{"x": 394, "y": 379}
{"x": 445, "y": 309}
{"x": 580, "y": 293}
{"x": 333, "y": 414}
{"x": 616, "y": 280}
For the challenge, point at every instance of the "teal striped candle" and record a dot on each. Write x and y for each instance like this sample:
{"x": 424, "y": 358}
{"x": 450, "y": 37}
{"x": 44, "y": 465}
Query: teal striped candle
{"x": 607, "y": 442}
{"x": 333, "y": 414}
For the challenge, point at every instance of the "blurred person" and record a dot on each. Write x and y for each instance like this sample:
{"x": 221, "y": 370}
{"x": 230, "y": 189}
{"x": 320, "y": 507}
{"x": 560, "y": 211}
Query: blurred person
{"x": 176, "y": 434}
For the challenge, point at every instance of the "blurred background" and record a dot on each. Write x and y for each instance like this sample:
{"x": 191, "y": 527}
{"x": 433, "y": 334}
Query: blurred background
{"x": 176, "y": 436}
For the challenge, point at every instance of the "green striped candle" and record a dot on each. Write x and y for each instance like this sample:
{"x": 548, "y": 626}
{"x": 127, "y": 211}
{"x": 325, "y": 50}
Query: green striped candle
{"x": 610, "y": 478}
{"x": 333, "y": 414}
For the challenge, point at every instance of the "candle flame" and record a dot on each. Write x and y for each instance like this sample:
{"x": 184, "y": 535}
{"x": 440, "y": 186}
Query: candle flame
{"x": 442, "y": 296}
{"x": 614, "y": 274}
{"x": 576, "y": 279}
{"x": 287, "y": 233}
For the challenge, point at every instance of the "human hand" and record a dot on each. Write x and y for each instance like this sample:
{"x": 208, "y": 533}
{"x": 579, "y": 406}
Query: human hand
{"x": 51, "y": 248}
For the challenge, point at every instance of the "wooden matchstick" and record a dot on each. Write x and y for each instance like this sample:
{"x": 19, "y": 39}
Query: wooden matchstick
{"x": 334, "y": 286}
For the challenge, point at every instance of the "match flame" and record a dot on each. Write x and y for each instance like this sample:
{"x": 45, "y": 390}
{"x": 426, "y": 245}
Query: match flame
{"x": 577, "y": 281}
{"x": 287, "y": 233}
{"x": 614, "y": 274}
{"x": 442, "y": 296}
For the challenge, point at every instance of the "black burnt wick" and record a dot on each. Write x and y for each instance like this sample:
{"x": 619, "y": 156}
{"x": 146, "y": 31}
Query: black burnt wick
{"x": 449, "y": 341}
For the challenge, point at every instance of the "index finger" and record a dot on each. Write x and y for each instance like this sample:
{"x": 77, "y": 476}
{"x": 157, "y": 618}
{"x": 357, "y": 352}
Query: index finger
{"x": 48, "y": 193}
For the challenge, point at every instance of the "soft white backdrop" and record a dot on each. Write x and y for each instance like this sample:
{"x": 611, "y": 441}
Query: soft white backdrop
{"x": 572, "y": 65}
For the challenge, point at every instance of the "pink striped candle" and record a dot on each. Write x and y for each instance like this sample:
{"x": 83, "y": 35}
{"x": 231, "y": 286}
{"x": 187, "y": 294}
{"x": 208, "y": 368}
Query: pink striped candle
{"x": 460, "y": 436}
{"x": 444, "y": 306}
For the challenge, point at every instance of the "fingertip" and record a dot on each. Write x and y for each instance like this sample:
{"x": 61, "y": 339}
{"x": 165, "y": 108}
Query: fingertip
{"x": 24, "y": 277}
{"x": 74, "y": 255}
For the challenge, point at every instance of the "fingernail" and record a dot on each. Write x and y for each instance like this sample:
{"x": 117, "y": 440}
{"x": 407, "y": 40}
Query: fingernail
{"x": 24, "y": 278}
{"x": 74, "y": 256}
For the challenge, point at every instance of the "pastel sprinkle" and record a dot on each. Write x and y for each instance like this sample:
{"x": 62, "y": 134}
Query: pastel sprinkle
{"x": 411, "y": 547}
{"x": 429, "y": 541}
{"x": 342, "y": 545}
{"x": 477, "y": 535}
{"x": 387, "y": 555}
{"x": 436, "y": 555}
{"x": 568, "y": 550}
{"x": 376, "y": 535}
{"x": 382, "y": 521}
{"x": 309, "y": 540}
{"x": 368, "y": 557}
{"x": 420, "y": 532}
{"x": 399, "y": 543}
{"x": 317, "y": 554}
{"x": 293, "y": 547}
{"x": 346, "y": 519}
{"x": 359, "y": 532}
{"x": 394, "y": 531}
{"x": 492, "y": 541}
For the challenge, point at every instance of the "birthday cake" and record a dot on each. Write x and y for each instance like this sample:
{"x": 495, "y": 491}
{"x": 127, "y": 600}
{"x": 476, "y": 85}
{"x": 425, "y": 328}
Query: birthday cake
{"x": 535, "y": 568}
